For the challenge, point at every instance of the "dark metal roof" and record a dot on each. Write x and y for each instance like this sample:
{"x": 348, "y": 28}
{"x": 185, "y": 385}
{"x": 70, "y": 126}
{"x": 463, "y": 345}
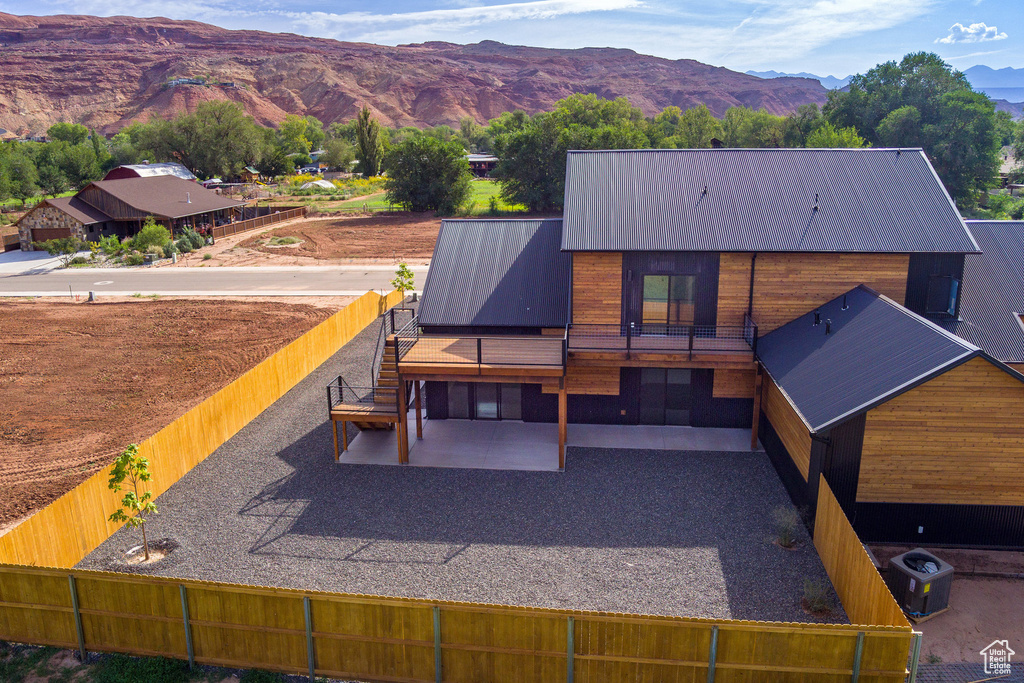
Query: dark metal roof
{"x": 992, "y": 291}
{"x": 876, "y": 350}
{"x": 79, "y": 210}
{"x": 501, "y": 273}
{"x": 869, "y": 200}
{"x": 165, "y": 196}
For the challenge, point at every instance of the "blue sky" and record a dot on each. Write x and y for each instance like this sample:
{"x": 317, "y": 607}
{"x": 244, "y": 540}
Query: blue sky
{"x": 819, "y": 36}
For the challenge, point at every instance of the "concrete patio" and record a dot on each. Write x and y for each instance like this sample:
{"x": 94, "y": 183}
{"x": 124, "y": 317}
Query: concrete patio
{"x": 513, "y": 445}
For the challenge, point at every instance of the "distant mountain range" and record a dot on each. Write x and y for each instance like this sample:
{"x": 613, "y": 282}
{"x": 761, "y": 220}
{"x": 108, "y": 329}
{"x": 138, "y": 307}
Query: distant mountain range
{"x": 999, "y": 84}
{"x": 106, "y": 72}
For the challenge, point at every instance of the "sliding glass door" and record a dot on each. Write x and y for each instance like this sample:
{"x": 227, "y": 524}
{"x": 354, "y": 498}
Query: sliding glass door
{"x": 484, "y": 401}
{"x": 668, "y": 300}
{"x": 665, "y": 396}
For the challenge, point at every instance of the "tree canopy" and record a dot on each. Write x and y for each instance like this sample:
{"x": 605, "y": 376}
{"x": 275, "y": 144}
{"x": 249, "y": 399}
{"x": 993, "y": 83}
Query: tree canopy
{"x": 424, "y": 173}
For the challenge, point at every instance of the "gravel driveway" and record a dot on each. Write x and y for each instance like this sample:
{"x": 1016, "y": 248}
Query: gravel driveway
{"x": 655, "y": 532}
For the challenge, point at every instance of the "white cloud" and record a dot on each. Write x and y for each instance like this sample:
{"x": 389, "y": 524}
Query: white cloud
{"x": 975, "y": 33}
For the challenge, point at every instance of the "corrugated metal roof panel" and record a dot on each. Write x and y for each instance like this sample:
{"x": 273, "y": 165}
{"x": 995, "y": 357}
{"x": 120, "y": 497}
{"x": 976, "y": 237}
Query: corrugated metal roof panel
{"x": 501, "y": 273}
{"x": 868, "y": 200}
{"x": 992, "y": 292}
{"x": 875, "y": 350}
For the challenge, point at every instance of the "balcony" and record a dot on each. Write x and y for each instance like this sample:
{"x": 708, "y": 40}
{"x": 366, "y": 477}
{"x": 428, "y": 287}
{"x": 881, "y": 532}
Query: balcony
{"x": 487, "y": 355}
{"x": 661, "y": 342}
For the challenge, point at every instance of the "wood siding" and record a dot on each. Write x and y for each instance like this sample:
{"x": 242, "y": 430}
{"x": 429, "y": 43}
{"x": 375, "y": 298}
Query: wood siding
{"x": 787, "y": 424}
{"x": 956, "y": 439}
{"x": 787, "y": 286}
{"x": 590, "y": 381}
{"x": 734, "y": 384}
{"x": 597, "y": 288}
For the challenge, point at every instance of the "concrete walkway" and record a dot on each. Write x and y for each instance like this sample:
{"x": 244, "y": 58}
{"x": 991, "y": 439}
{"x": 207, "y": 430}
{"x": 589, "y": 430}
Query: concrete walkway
{"x": 512, "y": 445}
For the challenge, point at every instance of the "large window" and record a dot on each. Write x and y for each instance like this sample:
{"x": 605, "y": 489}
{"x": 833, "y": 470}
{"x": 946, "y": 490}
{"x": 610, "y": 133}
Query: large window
{"x": 484, "y": 401}
{"x": 668, "y": 299}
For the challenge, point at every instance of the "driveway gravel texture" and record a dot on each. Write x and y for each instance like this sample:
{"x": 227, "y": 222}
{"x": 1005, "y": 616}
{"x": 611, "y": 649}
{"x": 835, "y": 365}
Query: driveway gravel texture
{"x": 649, "y": 532}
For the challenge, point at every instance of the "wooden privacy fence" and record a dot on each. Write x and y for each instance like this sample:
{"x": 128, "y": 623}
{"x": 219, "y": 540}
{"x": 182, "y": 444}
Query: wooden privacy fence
{"x": 258, "y": 222}
{"x": 393, "y": 639}
{"x": 71, "y": 527}
{"x": 860, "y": 587}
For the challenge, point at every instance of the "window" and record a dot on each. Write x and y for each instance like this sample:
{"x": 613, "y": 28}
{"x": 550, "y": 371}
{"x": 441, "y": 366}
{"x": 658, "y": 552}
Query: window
{"x": 484, "y": 401}
{"x": 668, "y": 299}
{"x": 943, "y": 291}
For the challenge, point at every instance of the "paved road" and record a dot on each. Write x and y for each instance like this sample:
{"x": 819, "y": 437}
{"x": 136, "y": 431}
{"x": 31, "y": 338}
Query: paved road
{"x": 213, "y": 281}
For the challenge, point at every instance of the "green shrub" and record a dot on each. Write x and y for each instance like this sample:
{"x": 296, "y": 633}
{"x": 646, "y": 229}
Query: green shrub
{"x": 169, "y": 249}
{"x": 124, "y": 669}
{"x": 207, "y": 257}
{"x": 110, "y": 245}
{"x": 155, "y": 251}
{"x": 817, "y": 596}
{"x": 134, "y": 260}
{"x": 193, "y": 237}
{"x": 183, "y": 245}
{"x": 278, "y": 241}
{"x": 79, "y": 261}
{"x": 150, "y": 235}
{"x": 786, "y": 523}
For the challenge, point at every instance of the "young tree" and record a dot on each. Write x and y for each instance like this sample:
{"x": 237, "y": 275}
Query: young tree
{"x": 135, "y": 506}
{"x": 404, "y": 279}
{"x": 369, "y": 145}
{"x": 827, "y": 136}
{"x": 339, "y": 153}
{"x": 64, "y": 247}
{"x": 426, "y": 174}
{"x": 152, "y": 234}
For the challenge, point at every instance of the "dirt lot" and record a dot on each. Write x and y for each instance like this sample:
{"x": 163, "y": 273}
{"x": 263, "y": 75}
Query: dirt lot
{"x": 983, "y": 607}
{"x": 395, "y": 237}
{"x": 81, "y": 381}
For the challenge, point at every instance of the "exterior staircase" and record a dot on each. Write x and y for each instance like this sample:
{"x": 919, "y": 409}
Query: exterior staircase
{"x": 387, "y": 379}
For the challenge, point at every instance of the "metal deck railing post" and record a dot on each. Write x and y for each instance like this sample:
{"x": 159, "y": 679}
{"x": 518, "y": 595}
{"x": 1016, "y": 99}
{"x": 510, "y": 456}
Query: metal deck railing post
{"x": 479, "y": 351}
{"x": 629, "y": 340}
{"x": 690, "y": 344}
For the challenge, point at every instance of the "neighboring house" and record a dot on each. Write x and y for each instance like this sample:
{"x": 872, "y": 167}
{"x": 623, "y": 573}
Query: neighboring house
{"x": 481, "y": 165}
{"x": 248, "y": 175}
{"x": 147, "y": 170}
{"x": 119, "y": 207}
{"x": 681, "y": 287}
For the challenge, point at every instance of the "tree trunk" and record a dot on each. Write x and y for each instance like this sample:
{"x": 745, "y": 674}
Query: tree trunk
{"x": 145, "y": 543}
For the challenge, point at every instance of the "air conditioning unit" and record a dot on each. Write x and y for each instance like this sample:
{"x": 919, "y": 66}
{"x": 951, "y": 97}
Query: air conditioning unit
{"x": 920, "y": 582}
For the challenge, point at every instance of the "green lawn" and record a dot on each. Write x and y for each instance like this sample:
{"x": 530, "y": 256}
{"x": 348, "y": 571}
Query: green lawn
{"x": 32, "y": 201}
{"x": 478, "y": 204}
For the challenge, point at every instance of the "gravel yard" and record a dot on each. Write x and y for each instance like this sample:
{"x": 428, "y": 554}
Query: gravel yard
{"x": 656, "y": 532}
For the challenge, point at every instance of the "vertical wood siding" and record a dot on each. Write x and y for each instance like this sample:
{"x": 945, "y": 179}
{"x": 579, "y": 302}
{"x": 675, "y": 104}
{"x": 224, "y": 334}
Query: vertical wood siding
{"x": 44, "y": 539}
{"x": 597, "y": 288}
{"x": 956, "y": 439}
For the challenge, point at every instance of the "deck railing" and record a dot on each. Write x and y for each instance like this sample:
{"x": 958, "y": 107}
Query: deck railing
{"x": 534, "y": 351}
{"x": 340, "y": 392}
{"x": 664, "y": 338}
{"x": 394, "y": 319}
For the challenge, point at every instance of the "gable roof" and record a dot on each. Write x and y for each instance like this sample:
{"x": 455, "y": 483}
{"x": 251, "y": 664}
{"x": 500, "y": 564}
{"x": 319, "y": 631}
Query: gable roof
{"x": 79, "y": 210}
{"x": 875, "y": 351}
{"x": 992, "y": 291}
{"x": 171, "y": 168}
{"x": 164, "y": 196}
{"x": 501, "y": 273}
{"x": 869, "y": 200}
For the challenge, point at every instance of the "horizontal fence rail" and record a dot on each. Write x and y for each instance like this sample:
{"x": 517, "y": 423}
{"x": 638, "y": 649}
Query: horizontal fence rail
{"x": 67, "y": 530}
{"x": 663, "y": 338}
{"x": 398, "y": 639}
{"x": 251, "y": 224}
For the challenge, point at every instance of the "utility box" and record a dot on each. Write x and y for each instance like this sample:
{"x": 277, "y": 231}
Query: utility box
{"x": 920, "y": 582}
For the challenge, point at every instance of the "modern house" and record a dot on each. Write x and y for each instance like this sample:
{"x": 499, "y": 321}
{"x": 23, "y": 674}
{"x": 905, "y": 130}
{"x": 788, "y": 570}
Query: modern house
{"x": 119, "y": 207}
{"x": 806, "y": 295}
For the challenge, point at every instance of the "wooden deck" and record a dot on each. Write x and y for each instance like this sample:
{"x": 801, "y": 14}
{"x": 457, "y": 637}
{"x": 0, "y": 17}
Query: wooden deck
{"x": 521, "y": 356}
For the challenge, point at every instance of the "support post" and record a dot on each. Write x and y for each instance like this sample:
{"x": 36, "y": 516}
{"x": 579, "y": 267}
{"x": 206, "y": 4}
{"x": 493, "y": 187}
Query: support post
{"x": 419, "y": 410}
{"x": 310, "y": 653}
{"x": 188, "y": 628}
{"x": 403, "y": 417}
{"x": 915, "y": 657}
{"x": 689, "y": 344}
{"x": 334, "y": 428}
{"x": 78, "y": 617}
{"x": 570, "y": 650}
{"x": 712, "y": 654}
{"x": 437, "y": 644}
{"x": 858, "y": 652}
{"x": 344, "y": 435}
{"x": 562, "y": 409}
{"x": 758, "y": 380}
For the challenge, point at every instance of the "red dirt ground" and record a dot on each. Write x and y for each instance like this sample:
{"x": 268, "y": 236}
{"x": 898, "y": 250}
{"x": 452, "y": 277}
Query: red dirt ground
{"x": 81, "y": 381}
{"x": 392, "y": 236}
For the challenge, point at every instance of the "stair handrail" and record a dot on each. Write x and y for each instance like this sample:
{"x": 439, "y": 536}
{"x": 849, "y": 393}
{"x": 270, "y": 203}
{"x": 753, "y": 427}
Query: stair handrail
{"x": 387, "y": 328}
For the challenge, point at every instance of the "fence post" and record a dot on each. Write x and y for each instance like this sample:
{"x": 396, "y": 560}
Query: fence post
{"x": 78, "y": 617}
{"x": 188, "y": 628}
{"x": 310, "y": 654}
{"x": 858, "y": 652}
{"x": 570, "y": 650}
{"x": 915, "y": 656}
{"x": 437, "y": 644}
{"x": 712, "y": 654}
